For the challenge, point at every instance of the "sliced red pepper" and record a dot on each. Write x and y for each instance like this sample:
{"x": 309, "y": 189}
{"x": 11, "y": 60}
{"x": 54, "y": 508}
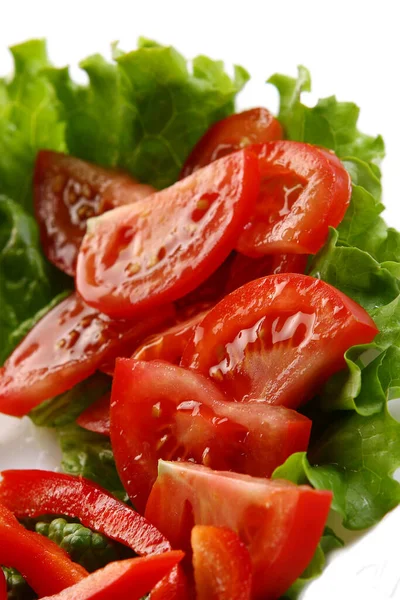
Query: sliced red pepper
{"x": 30, "y": 493}
{"x": 124, "y": 579}
{"x": 222, "y": 564}
{"x": 45, "y": 566}
{"x": 173, "y": 587}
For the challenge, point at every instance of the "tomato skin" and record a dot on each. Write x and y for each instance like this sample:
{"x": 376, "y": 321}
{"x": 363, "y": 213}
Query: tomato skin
{"x": 222, "y": 565}
{"x": 97, "y": 416}
{"x": 67, "y": 192}
{"x": 279, "y": 522}
{"x": 32, "y": 493}
{"x": 297, "y": 219}
{"x": 160, "y": 410}
{"x": 170, "y": 344}
{"x": 131, "y": 578}
{"x": 252, "y": 126}
{"x": 66, "y": 346}
{"x": 122, "y": 269}
{"x": 275, "y": 339}
{"x": 244, "y": 269}
{"x": 51, "y": 570}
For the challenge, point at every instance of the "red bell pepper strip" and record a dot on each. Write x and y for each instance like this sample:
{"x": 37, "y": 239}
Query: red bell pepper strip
{"x": 45, "y": 566}
{"x": 173, "y": 587}
{"x": 124, "y": 579}
{"x": 31, "y": 493}
{"x": 222, "y": 564}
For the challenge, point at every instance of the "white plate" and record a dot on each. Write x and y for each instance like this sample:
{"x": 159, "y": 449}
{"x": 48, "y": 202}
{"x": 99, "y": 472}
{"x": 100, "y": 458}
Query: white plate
{"x": 351, "y": 48}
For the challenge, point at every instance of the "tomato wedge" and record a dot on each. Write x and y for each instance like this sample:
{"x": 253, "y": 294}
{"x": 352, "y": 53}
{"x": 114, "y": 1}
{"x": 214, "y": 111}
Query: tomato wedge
{"x": 30, "y": 493}
{"x": 124, "y": 579}
{"x": 46, "y": 567}
{"x": 304, "y": 191}
{"x": 67, "y": 192}
{"x": 97, "y": 416}
{"x": 170, "y": 344}
{"x": 277, "y": 339}
{"x": 66, "y": 346}
{"x": 222, "y": 565}
{"x": 243, "y": 269}
{"x": 160, "y": 410}
{"x": 252, "y": 126}
{"x": 279, "y": 522}
{"x": 154, "y": 251}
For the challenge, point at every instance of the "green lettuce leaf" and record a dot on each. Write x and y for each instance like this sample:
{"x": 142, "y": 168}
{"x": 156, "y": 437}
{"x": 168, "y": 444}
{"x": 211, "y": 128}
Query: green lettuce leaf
{"x": 329, "y": 123}
{"x": 65, "y": 408}
{"x": 27, "y": 282}
{"x": 29, "y": 120}
{"x": 146, "y": 111}
{"x": 90, "y": 455}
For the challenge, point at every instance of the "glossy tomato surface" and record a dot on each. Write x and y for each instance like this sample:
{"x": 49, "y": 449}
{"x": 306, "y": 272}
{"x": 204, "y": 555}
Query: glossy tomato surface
{"x": 69, "y": 191}
{"x": 160, "y": 410}
{"x": 66, "y": 346}
{"x": 222, "y": 564}
{"x": 304, "y": 191}
{"x": 169, "y": 344}
{"x": 155, "y": 251}
{"x": 252, "y": 126}
{"x": 277, "y": 339}
{"x": 279, "y": 522}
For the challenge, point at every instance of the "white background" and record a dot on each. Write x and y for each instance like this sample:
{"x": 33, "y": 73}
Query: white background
{"x": 352, "y": 49}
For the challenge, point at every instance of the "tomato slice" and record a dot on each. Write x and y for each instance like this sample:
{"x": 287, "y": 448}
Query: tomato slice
{"x": 304, "y": 191}
{"x": 244, "y": 269}
{"x": 170, "y": 344}
{"x": 160, "y": 410}
{"x": 33, "y": 493}
{"x": 155, "y": 251}
{"x": 45, "y": 566}
{"x": 67, "y": 192}
{"x": 277, "y": 338}
{"x": 123, "y": 579}
{"x": 222, "y": 565}
{"x": 279, "y": 522}
{"x": 67, "y": 345}
{"x": 97, "y": 416}
{"x": 252, "y": 126}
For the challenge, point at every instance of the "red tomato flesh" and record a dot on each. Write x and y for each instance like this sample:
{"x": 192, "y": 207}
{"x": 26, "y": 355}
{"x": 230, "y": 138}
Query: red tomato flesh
{"x": 155, "y": 251}
{"x": 252, "y": 126}
{"x": 304, "y": 191}
{"x": 277, "y": 339}
{"x": 66, "y": 346}
{"x": 222, "y": 564}
{"x": 97, "y": 416}
{"x": 67, "y": 192}
{"x": 279, "y": 522}
{"x": 33, "y": 493}
{"x": 160, "y": 410}
{"x": 125, "y": 579}
{"x": 172, "y": 587}
{"x": 170, "y": 344}
{"x": 46, "y": 567}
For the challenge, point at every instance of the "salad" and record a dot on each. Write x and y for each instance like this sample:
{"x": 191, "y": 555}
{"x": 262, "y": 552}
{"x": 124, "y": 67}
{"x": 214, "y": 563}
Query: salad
{"x": 204, "y": 306}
